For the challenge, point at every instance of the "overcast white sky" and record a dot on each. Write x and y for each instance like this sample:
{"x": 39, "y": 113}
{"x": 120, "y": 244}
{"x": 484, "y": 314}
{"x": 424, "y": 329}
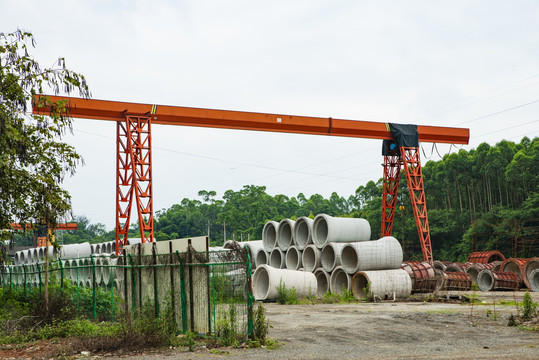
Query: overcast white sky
{"x": 463, "y": 63}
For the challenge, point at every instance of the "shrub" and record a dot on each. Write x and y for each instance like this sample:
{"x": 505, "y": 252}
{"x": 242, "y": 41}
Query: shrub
{"x": 528, "y": 306}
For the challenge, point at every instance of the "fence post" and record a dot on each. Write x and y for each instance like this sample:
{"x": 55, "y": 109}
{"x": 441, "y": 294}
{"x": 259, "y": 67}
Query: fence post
{"x": 112, "y": 290}
{"x": 94, "y": 287}
{"x": 38, "y": 266}
{"x": 182, "y": 291}
{"x": 61, "y": 273}
{"x": 250, "y": 298}
{"x": 133, "y": 287}
{"x": 155, "y": 290}
{"x": 24, "y": 284}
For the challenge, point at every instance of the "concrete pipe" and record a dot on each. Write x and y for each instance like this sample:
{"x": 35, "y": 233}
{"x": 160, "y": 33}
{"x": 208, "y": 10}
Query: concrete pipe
{"x": 440, "y": 265}
{"x": 266, "y": 279}
{"x": 453, "y": 281}
{"x": 92, "y": 248}
{"x": 111, "y": 246}
{"x": 293, "y": 258}
{"x": 330, "y": 257}
{"x": 98, "y": 261}
{"x": 74, "y": 270}
{"x": 485, "y": 257}
{"x": 311, "y": 258}
{"x": 285, "y": 234}
{"x": 515, "y": 265}
{"x": 262, "y": 258}
{"x": 385, "y": 284}
{"x": 531, "y": 265}
{"x": 269, "y": 235}
{"x": 533, "y": 278}
{"x": 276, "y": 259}
{"x": 133, "y": 241}
{"x": 328, "y": 229}
{"x": 382, "y": 254}
{"x": 457, "y": 267}
{"x": 253, "y": 246}
{"x": 322, "y": 281}
{"x": 107, "y": 267}
{"x": 35, "y": 255}
{"x": 23, "y": 257}
{"x": 339, "y": 281}
{"x": 16, "y": 257}
{"x": 75, "y": 251}
{"x": 476, "y": 268}
{"x": 40, "y": 254}
{"x": 303, "y": 232}
{"x": 489, "y": 280}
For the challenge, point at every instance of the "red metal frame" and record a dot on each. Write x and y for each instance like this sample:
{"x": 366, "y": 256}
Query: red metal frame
{"x": 134, "y": 176}
{"x": 392, "y": 167}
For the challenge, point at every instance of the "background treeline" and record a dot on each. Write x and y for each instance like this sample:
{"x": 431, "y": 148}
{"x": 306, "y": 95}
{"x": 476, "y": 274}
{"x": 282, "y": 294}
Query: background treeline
{"x": 482, "y": 199}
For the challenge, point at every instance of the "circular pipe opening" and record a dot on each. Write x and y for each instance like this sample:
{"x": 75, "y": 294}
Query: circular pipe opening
{"x": 359, "y": 283}
{"x": 292, "y": 259}
{"x": 320, "y": 231}
{"x": 322, "y": 282}
{"x": 485, "y": 280}
{"x": 285, "y": 234}
{"x": 261, "y": 258}
{"x": 349, "y": 259}
{"x": 327, "y": 257}
{"x": 261, "y": 280}
{"x": 270, "y": 235}
{"x": 309, "y": 259}
{"x": 301, "y": 233}
{"x": 534, "y": 280}
{"x": 473, "y": 272}
{"x": 276, "y": 258}
{"x": 339, "y": 281}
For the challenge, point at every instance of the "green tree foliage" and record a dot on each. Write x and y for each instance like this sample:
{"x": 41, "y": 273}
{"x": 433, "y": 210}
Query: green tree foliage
{"x": 33, "y": 158}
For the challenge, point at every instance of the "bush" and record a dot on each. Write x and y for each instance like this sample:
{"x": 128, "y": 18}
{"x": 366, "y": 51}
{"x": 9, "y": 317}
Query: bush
{"x": 287, "y": 296}
{"x": 260, "y": 325}
{"x": 528, "y": 307}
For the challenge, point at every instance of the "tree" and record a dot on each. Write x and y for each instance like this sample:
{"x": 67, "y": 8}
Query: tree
{"x": 33, "y": 158}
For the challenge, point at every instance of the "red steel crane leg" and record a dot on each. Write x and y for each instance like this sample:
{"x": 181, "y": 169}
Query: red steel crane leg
{"x": 392, "y": 166}
{"x": 134, "y": 176}
{"x": 414, "y": 178}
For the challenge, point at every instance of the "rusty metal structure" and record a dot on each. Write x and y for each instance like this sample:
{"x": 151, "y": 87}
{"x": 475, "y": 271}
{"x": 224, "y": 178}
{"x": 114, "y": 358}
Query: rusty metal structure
{"x": 485, "y": 257}
{"x": 134, "y": 159}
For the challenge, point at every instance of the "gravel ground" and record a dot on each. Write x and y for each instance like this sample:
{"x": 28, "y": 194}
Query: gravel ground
{"x": 409, "y": 330}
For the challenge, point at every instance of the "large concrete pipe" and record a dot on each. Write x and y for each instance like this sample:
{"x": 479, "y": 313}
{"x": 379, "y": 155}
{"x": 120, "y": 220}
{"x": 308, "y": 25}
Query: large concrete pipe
{"x": 253, "y": 246}
{"x": 262, "y": 258}
{"x": 339, "y": 280}
{"x": 385, "y": 284}
{"x": 533, "y": 278}
{"x": 453, "y": 281}
{"x": 293, "y": 258}
{"x": 75, "y": 251}
{"x": 276, "y": 258}
{"x": 515, "y": 265}
{"x": 328, "y": 229}
{"x": 285, "y": 234}
{"x": 266, "y": 279}
{"x": 440, "y": 265}
{"x": 322, "y": 281}
{"x": 531, "y": 265}
{"x": 311, "y": 258}
{"x": 269, "y": 235}
{"x": 303, "y": 232}
{"x": 330, "y": 257}
{"x": 485, "y": 257}
{"x": 489, "y": 280}
{"x": 476, "y": 268}
{"x": 382, "y": 254}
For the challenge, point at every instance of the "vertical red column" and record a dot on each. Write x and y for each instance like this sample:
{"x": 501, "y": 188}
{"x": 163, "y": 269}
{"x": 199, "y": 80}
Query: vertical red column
{"x": 140, "y": 138}
{"x": 414, "y": 177}
{"x": 392, "y": 165}
{"x": 124, "y": 184}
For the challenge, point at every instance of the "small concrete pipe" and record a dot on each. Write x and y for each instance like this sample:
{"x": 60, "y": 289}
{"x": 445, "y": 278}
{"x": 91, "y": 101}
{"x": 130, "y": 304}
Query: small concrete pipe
{"x": 531, "y": 265}
{"x": 311, "y": 258}
{"x": 322, "y": 281}
{"x": 111, "y": 247}
{"x": 457, "y": 267}
{"x": 261, "y": 258}
{"x": 489, "y": 280}
{"x": 382, "y": 254}
{"x": 385, "y": 284}
{"x": 303, "y": 232}
{"x": 276, "y": 259}
{"x": 328, "y": 229}
{"x": 293, "y": 258}
{"x": 285, "y": 234}
{"x": 533, "y": 278}
{"x": 35, "y": 255}
{"x": 269, "y": 235}
{"x": 440, "y": 265}
{"x": 16, "y": 258}
{"x": 339, "y": 280}
{"x": 476, "y": 268}
{"x": 330, "y": 257}
{"x": 107, "y": 269}
{"x": 266, "y": 279}
{"x": 253, "y": 246}
{"x": 75, "y": 251}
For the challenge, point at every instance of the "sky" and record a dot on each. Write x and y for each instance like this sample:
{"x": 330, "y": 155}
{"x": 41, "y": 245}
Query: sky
{"x": 461, "y": 63}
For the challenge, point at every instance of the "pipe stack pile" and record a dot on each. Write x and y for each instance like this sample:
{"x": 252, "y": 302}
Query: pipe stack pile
{"x": 336, "y": 252}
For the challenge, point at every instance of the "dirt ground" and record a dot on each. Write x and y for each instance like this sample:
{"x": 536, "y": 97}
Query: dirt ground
{"x": 388, "y": 330}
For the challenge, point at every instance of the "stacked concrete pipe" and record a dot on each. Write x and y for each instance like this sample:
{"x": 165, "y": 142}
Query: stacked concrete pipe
{"x": 269, "y": 235}
{"x": 385, "y": 284}
{"x": 327, "y": 229}
{"x": 322, "y": 281}
{"x": 311, "y": 258}
{"x": 285, "y": 234}
{"x": 252, "y": 246}
{"x": 75, "y": 251}
{"x": 261, "y": 258}
{"x": 339, "y": 280}
{"x": 531, "y": 265}
{"x": 330, "y": 257}
{"x": 276, "y": 258}
{"x": 382, "y": 254}
{"x": 303, "y": 232}
{"x": 266, "y": 280}
{"x": 293, "y": 258}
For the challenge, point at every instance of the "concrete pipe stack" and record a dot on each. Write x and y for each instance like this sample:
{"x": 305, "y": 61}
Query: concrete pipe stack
{"x": 333, "y": 249}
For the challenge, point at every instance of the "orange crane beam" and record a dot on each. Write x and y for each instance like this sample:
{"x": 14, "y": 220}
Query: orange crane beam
{"x": 241, "y": 120}
{"x": 68, "y": 226}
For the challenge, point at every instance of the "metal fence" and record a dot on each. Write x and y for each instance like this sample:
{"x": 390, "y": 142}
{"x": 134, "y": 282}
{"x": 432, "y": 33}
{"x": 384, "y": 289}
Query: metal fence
{"x": 205, "y": 292}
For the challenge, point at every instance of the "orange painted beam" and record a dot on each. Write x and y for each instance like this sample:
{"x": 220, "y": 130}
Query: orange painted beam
{"x": 69, "y": 226}
{"x": 225, "y": 119}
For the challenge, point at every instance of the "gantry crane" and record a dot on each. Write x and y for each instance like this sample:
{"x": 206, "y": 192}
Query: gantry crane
{"x": 134, "y": 151}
